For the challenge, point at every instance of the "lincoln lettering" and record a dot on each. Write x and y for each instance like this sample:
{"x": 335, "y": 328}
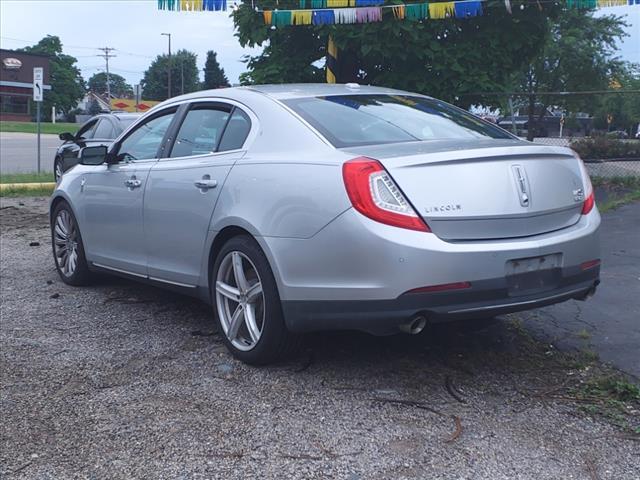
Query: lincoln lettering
{"x": 443, "y": 208}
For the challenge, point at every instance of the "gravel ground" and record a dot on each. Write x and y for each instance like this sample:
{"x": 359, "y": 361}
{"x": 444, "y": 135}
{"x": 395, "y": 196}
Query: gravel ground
{"x": 122, "y": 380}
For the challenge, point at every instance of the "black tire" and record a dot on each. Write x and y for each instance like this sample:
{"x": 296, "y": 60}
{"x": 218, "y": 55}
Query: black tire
{"x": 58, "y": 169}
{"x": 81, "y": 274}
{"x": 276, "y": 341}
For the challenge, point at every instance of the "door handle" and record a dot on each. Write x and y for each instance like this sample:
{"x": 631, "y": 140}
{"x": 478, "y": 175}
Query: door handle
{"x": 206, "y": 183}
{"x": 132, "y": 183}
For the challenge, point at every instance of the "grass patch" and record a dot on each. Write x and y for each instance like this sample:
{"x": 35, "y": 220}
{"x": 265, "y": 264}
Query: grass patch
{"x": 32, "y": 127}
{"x": 617, "y": 202}
{"x": 26, "y": 192}
{"x": 27, "y": 177}
{"x": 613, "y": 398}
{"x": 584, "y": 334}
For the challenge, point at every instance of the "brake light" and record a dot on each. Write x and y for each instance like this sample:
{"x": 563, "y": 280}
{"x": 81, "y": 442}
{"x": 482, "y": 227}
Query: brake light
{"x": 588, "y": 204}
{"x": 590, "y": 199}
{"x": 373, "y": 193}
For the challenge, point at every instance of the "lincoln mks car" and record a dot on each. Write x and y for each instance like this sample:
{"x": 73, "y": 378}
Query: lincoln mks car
{"x": 298, "y": 208}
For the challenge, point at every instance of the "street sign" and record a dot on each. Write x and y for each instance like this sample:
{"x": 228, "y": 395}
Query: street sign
{"x": 38, "y": 84}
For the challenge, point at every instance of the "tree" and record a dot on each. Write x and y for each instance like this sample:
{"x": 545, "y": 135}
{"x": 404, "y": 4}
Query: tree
{"x": 577, "y": 55}
{"x": 453, "y": 59}
{"x": 67, "y": 84}
{"x": 623, "y": 108}
{"x": 214, "y": 76}
{"x": 119, "y": 86}
{"x": 184, "y": 76}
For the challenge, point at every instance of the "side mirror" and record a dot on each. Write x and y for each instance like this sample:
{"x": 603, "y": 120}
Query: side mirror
{"x": 67, "y": 137}
{"x": 93, "y": 155}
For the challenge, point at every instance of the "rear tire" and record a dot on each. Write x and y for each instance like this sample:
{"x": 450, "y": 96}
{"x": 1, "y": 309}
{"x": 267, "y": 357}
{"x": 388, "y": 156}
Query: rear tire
{"x": 247, "y": 304}
{"x": 68, "y": 249}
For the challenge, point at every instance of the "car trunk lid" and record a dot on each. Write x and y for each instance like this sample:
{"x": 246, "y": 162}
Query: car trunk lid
{"x": 476, "y": 190}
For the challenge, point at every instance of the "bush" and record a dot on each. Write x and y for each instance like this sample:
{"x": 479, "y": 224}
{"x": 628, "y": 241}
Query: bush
{"x": 601, "y": 148}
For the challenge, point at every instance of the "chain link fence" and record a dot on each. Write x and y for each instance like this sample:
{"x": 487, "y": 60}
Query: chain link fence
{"x": 604, "y": 168}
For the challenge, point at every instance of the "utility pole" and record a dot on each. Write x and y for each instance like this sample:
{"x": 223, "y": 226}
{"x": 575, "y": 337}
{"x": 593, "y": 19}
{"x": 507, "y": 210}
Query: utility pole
{"x": 169, "y": 67}
{"x": 107, "y": 55}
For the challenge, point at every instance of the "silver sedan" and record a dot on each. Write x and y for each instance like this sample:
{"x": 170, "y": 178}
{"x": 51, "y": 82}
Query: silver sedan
{"x": 297, "y": 208}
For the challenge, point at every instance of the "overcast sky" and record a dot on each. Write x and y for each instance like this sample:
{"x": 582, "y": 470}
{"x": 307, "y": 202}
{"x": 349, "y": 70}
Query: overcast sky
{"x": 133, "y": 27}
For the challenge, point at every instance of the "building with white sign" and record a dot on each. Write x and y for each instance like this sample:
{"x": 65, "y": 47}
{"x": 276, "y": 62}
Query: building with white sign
{"x": 16, "y": 84}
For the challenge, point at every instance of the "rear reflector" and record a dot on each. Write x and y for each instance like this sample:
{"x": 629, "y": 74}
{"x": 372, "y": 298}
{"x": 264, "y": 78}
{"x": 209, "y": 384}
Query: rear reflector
{"x": 590, "y": 264}
{"x": 441, "y": 288}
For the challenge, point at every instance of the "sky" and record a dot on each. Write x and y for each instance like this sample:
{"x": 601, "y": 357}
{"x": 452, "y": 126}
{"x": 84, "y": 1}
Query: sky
{"x": 133, "y": 28}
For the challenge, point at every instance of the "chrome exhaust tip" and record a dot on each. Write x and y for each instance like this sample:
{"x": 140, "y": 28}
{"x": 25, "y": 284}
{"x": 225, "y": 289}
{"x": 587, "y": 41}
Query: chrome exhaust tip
{"x": 415, "y": 325}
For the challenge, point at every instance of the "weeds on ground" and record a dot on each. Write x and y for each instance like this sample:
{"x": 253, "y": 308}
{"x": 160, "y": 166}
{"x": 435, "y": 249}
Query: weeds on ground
{"x": 26, "y": 192}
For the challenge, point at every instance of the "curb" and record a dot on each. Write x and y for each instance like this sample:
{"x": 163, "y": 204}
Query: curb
{"x": 26, "y": 186}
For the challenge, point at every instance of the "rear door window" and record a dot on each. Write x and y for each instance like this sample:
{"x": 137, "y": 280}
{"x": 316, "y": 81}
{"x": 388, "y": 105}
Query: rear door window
{"x": 236, "y": 132}
{"x": 104, "y": 130}
{"x": 201, "y": 130}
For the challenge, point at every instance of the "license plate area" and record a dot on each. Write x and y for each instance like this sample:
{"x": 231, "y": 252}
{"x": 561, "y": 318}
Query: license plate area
{"x": 527, "y": 276}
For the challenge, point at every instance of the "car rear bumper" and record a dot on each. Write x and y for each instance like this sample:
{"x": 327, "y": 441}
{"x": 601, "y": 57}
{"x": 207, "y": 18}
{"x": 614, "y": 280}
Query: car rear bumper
{"x": 485, "y": 298}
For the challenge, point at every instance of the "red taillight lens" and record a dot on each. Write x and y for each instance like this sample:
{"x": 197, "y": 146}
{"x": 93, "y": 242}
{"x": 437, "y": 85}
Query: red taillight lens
{"x": 590, "y": 199}
{"x": 373, "y": 193}
{"x": 441, "y": 288}
{"x": 588, "y": 204}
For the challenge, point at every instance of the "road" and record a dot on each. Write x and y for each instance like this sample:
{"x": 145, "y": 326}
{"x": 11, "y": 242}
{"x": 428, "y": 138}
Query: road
{"x": 609, "y": 323}
{"x": 19, "y": 152}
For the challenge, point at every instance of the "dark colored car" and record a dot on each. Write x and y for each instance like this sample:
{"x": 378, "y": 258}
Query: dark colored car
{"x": 99, "y": 130}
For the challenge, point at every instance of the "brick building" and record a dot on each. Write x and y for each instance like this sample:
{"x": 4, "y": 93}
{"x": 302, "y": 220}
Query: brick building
{"x": 16, "y": 84}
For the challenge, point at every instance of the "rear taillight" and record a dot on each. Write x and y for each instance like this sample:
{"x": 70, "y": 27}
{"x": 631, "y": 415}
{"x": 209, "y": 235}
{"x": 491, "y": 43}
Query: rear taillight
{"x": 373, "y": 193}
{"x": 441, "y": 288}
{"x": 589, "y": 197}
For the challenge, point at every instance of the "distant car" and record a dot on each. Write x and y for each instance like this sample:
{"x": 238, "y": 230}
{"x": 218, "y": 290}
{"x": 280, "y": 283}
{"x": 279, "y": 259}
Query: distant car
{"x": 638, "y": 132}
{"x": 99, "y": 130}
{"x": 619, "y": 134}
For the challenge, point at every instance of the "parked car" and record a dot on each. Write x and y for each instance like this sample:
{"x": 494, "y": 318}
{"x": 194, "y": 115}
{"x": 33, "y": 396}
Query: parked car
{"x": 297, "y": 208}
{"x": 99, "y": 130}
{"x": 619, "y": 134}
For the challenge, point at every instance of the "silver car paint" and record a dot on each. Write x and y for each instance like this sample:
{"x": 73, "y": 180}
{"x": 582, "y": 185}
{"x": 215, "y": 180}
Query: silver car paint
{"x": 285, "y": 188}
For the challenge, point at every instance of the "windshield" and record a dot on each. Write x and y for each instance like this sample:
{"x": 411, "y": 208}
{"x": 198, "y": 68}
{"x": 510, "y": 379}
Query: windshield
{"x": 353, "y": 120}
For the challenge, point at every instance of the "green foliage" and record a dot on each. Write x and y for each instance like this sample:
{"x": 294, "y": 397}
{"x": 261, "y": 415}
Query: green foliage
{"x": 602, "y": 147}
{"x": 214, "y": 76}
{"x": 624, "y": 108}
{"x": 155, "y": 81}
{"x": 67, "y": 85}
{"x": 577, "y": 55}
{"x": 119, "y": 86}
{"x": 94, "y": 108}
{"x": 456, "y": 60}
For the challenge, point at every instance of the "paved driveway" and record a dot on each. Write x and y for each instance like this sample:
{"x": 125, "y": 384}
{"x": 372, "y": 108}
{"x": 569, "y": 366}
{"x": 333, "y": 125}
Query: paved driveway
{"x": 609, "y": 323}
{"x": 19, "y": 152}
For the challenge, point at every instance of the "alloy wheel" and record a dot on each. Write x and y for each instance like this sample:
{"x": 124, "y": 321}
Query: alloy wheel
{"x": 240, "y": 300}
{"x": 57, "y": 173}
{"x": 65, "y": 238}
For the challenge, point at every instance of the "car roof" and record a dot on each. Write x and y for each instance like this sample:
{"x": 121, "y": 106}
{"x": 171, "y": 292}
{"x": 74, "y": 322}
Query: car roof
{"x": 289, "y": 91}
{"x": 301, "y": 90}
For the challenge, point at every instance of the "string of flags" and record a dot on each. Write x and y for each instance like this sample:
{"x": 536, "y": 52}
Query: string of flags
{"x": 330, "y": 12}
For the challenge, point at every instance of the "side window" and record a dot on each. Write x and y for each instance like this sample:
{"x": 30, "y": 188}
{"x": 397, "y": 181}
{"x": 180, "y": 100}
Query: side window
{"x": 87, "y": 131}
{"x": 143, "y": 142}
{"x": 236, "y": 132}
{"x": 200, "y": 131}
{"x": 104, "y": 129}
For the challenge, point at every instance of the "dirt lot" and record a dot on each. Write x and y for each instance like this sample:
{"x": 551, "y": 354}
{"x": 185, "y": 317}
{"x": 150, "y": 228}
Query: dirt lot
{"x": 127, "y": 381}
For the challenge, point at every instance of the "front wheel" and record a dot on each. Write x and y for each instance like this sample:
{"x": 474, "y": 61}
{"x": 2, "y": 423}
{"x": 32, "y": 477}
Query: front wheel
{"x": 247, "y": 304}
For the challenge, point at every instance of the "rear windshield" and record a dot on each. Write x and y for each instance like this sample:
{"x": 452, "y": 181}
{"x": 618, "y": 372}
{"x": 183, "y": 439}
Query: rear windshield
{"x": 353, "y": 120}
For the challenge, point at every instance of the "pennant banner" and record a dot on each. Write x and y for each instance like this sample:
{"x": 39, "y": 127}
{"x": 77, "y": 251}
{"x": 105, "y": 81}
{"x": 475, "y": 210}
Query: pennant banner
{"x": 329, "y": 12}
